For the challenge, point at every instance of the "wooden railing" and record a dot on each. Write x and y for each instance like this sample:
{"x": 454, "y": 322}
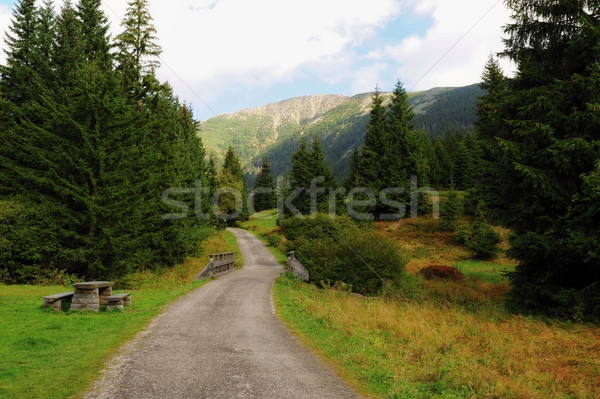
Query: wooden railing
{"x": 217, "y": 265}
{"x": 296, "y": 267}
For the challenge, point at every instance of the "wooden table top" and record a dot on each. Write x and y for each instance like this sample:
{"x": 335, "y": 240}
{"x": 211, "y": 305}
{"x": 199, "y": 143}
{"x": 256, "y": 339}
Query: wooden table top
{"x": 89, "y": 285}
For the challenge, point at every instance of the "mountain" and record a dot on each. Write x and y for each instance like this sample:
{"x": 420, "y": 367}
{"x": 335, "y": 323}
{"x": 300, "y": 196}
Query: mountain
{"x": 273, "y": 130}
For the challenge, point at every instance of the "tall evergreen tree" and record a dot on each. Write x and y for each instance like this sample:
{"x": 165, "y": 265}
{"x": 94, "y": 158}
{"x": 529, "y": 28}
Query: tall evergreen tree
{"x": 264, "y": 181}
{"x": 548, "y": 135}
{"x": 94, "y": 32}
{"x": 232, "y": 174}
{"x": 310, "y": 171}
{"x": 374, "y": 145}
{"x": 19, "y": 74}
{"x": 138, "y": 53}
{"x": 396, "y": 157}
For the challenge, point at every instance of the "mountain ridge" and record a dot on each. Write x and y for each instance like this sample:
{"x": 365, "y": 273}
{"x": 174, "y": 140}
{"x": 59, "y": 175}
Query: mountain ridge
{"x": 273, "y": 130}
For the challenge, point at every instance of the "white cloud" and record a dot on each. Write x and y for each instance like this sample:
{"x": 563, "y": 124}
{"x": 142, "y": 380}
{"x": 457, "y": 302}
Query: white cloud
{"x": 224, "y": 47}
{"x": 454, "y": 60}
{"x": 214, "y": 45}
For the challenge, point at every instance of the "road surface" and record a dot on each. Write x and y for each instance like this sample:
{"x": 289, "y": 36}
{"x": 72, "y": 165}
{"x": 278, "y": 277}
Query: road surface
{"x": 222, "y": 340}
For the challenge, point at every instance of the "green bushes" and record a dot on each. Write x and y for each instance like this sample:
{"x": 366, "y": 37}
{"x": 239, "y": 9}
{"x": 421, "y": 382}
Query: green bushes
{"x": 337, "y": 250}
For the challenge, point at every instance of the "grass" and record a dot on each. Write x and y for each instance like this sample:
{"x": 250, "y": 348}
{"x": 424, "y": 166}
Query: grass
{"x": 488, "y": 271}
{"x": 425, "y": 245}
{"x": 444, "y": 339}
{"x": 232, "y": 244}
{"x": 48, "y": 354}
{"x": 390, "y": 349}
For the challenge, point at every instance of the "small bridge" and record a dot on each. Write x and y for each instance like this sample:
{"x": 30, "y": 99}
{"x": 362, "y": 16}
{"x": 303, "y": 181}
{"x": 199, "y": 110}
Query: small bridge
{"x": 218, "y": 265}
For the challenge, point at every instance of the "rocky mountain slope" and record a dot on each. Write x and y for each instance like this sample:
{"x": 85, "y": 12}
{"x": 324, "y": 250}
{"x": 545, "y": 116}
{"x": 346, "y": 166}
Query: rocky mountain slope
{"x": 273, "y": 130}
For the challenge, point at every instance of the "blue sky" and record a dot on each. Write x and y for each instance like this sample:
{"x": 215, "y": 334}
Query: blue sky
{"x": 225, "y": 55}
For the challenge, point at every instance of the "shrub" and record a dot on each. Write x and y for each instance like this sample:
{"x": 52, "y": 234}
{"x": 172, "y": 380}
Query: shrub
{"x": 337, "y": 250}
{"x": 441, "y": 272}
{"x": 480, "y": 238}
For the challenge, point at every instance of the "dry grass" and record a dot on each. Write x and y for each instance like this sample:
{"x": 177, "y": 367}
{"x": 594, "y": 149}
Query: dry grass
{"x": 422, "y": 350}
{"x": 425, "y": 245}
{"x": 185, "y": 272}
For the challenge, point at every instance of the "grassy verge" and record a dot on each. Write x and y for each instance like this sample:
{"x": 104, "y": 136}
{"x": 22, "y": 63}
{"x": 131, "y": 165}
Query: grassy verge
{"x": 419, "y": 350}
{"x": 233, "y": 245}
{"x": 47, "y": 354}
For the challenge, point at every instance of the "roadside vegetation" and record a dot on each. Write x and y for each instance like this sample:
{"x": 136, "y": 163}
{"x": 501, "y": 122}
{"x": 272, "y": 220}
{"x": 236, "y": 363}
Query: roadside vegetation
{"x": 440, "y": 337}
{"x": 63, "y": 352}
{"x": 454, "y": 340}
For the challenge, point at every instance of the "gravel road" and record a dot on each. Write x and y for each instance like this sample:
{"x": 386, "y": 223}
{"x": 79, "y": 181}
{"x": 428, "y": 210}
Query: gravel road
{"x": 222, "y": 340}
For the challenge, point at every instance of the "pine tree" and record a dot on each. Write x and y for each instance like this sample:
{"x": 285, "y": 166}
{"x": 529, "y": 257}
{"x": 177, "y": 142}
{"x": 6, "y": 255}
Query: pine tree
{"x": 463, "y": 167}
{"x": 450, "y": 212}
{"x": 354, "y": 176}
{"x": 311, "y": 171}
{"x": 232, "y": 174}
{"x": 374, "y": 145}
{"x": 548, "y": 138}
{"x": 137, "y": 58}
{"x": 399, "y": 158}
{"x": 487, "y": 128}
{"x": 264, "y": 181}
{"x": 19, "y": 76}
{"x": 94, "y": 33}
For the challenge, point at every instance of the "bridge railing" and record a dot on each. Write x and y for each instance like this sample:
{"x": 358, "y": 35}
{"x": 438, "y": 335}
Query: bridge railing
{"x": 218, "y": 264}
{"x": 296, "y": 267}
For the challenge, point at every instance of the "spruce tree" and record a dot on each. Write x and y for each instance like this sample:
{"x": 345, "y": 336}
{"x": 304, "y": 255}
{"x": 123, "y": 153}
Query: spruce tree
{"x": 94, "y": 32}
{"x": 310, "y": 171}
{"x": 374, "y": 145}
{"x": 354, "y": 176}
{"x": 548, "y": 135}
{"x": 137, "y": 58}
{"x": 398, "y": 162}
{"x": 264, "y": 181}
{"x": 19, "y": 75}
{"x": 232, "y": 174}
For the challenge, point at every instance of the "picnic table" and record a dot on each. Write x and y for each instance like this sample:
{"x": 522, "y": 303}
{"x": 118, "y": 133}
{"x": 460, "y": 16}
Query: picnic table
{"x": 90, "y": 295}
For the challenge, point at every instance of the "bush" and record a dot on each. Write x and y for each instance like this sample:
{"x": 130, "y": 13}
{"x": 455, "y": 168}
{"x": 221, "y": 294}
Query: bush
{"x": 441, "y": 272}
{"x": 337, "y": 250}
{"x": 480, "y": 238}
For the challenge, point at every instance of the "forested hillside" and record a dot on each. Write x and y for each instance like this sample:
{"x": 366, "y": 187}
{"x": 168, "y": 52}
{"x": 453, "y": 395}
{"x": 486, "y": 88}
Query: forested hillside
{"x": 274, "y": 130}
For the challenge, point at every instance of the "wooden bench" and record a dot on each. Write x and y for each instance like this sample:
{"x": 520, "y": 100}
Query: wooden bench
{"x": 55, "y": 301}
{"x": 118, "y": 301}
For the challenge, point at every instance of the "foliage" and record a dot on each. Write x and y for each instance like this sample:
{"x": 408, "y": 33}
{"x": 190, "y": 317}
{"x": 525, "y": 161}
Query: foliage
{"x": 543, "y": 141}
{"x": 338, "y": 250}
{"x": 450, "y": 211}
{"x": 480, "y": 238}
{"x": 427, "y": 349}
{"x": 341, "y": 127}
{"x": 85, "y": 156}
{"x": 264, "y": 181}
{"x": 310, "y": 180}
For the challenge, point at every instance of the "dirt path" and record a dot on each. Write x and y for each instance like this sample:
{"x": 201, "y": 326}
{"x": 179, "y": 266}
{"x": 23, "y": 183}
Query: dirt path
{"x": 222, "y": 340}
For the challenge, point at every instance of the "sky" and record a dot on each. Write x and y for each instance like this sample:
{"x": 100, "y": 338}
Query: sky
{"x": 225, "y": 55}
